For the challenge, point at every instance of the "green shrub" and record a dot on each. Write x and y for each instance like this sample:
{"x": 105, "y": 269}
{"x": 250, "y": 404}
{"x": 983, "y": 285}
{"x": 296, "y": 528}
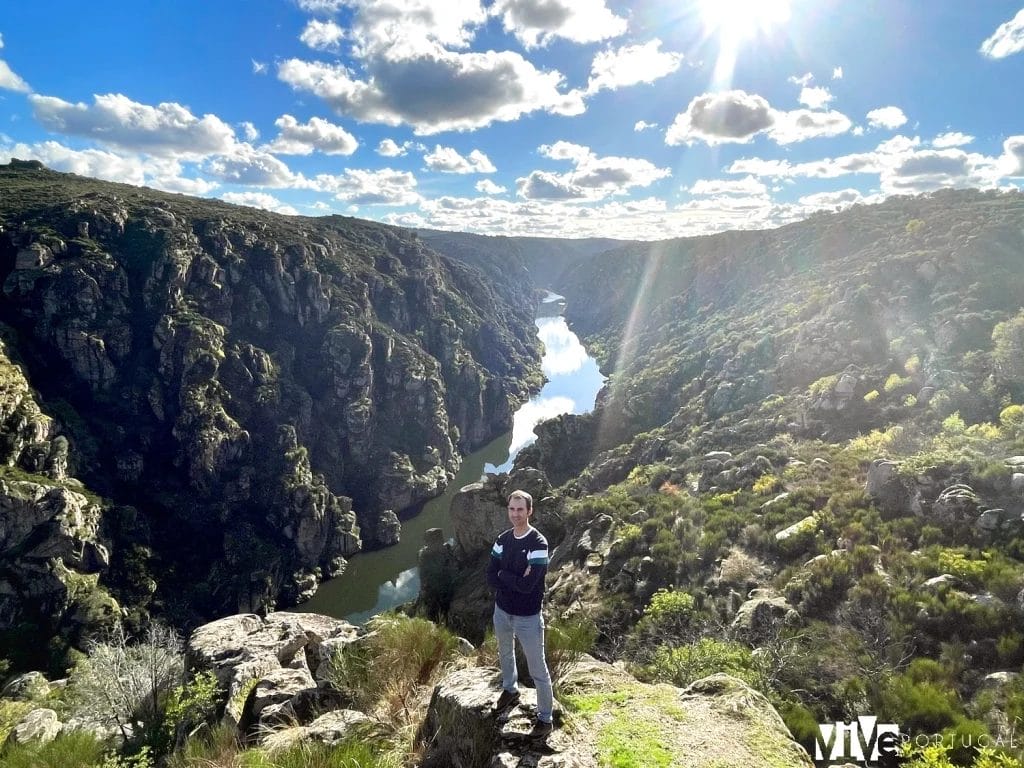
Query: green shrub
{"x": 681, "y": 665}
{"x": 958, "y": 563}
{"x": 896, "y": 382}
{"x": 802, "y": 723}
{"x": 216, "y": 747}
{"x": 11, "y": 713}
{"x": 566, "y": 640}
{"x": 191, "y": 705}
{"x": 78, "y": 749}
{"x": 824, "y": 384}
{"x": 1012, "y": 418}
{"x": 921, "y": 700}
{"x": 766, "y": 484}
{"x": 400, "y": 654}
{"x": 351, "y": 753}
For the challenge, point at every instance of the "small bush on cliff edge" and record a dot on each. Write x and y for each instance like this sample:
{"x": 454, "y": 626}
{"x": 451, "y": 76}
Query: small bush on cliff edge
{"x": 400, "y": 655}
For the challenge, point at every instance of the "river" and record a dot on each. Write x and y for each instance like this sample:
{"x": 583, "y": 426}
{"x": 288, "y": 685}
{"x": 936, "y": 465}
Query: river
{"x": 376, "y": 581}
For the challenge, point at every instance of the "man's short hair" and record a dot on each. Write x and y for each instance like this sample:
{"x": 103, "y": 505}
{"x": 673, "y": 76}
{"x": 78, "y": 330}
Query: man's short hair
{"x": 524, "y": 496}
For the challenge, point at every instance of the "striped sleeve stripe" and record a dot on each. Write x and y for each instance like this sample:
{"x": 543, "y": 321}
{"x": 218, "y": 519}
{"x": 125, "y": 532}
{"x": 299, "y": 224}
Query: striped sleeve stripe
{"x": 537, "y": 557}
{"x": 496, "y": 550}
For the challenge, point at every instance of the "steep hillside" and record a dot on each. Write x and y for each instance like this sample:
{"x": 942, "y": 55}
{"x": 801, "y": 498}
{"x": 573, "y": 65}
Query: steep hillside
{"x": 246, "y": 396}
{"x": 709, "y": 328}
{"x": 540, "y": 260}
{"x": 808, "y": 466}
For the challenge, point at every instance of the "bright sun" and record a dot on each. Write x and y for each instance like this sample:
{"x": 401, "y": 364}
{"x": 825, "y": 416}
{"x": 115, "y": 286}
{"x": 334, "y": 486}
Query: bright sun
{"x": 739, "y": 19}
{"x": 733, "y": 22}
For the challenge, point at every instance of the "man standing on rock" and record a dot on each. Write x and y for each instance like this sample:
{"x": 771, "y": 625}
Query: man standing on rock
{"x": 519, "y": 562}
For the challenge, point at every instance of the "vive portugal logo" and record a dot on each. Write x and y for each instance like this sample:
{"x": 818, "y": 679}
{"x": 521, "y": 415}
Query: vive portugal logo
{"x": 863, "y": 739}
{"x": 870, "y": 742}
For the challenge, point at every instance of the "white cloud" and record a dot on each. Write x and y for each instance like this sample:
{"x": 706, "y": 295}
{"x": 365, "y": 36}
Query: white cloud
{"x": 719, "y": 118}
{"x": 1007, "y": 39}
{"x": 803, "y": 124}
{"x": 11, "y": 81}
{"x": 815, "y": 98}
{"x": 565, "y": 150}
{"x": 832, "y": 201}
{"x": 737, "y": 116}
{"x": 115, "y": 120}
{"x": 803, "y": 80}
{"x": 886, "y": 155}
{"x": 388, "y": 148}
{"x": 629, "y": 65}
{"x": 541, "y": 185}
{"x": 642, "y": 125}
{"x": 167, "y": 174}
{"x": 319, "y": 135}
{"x": 900, "y": 165}
{"x": 929, "y": 169}
{"x": 8, "y": 79}
{"x": 714, "y": 187}
{"x": 538, "y": 22}
{"x": 244, "y": 164}
{"x": 406, "y": 29}
{"x": 448, "y": 160}
{"x": 1011, "y": 163}
{"x": 592, "y": 178}
{"x": 95, "y": 163}
{"x": 249, "y": 130}
{"x": 380, "y": 187}
{"x": 259, "y": 200}
{"x": 259, "y": 67}
{"x": 488, "y": 187}
{"x": 322, "y": 35}
{"x": 951, "y": 139}
{"x": 837, "y": 73}
{"x": 161, "y": 173}
{"x": 886, "y": 117}
{"x": 326, "y": 7}
{"x": 628, "y": 219}
{"x": 436, "y": 91}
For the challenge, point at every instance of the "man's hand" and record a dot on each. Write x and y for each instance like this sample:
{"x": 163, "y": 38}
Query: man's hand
{"x": 527, "y": 571}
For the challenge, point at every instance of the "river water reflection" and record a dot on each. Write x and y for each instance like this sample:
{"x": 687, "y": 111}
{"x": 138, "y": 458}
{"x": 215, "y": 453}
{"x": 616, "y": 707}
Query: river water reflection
{"x": 379, "y": 580}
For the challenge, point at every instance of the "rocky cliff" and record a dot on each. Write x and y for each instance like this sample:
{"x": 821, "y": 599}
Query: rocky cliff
{"x": 254, "y": 392}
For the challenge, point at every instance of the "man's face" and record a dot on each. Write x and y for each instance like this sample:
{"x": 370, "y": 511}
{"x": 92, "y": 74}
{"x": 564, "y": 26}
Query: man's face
{"x": 518, "y": 514}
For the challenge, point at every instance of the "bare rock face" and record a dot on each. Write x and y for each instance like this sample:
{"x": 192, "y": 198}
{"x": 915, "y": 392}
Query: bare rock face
{"x": 49, "y": 531}
{"x": 886, "y": 487}
{"x": 40, "y": 725}
{"x": 272, "y": 668}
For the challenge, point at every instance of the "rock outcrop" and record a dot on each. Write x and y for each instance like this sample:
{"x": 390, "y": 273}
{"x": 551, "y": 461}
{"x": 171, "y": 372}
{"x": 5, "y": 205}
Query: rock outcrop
{"x": 718, "y": 721}
{"x": 273, "y": 669}
{"x": 51, "y": 545}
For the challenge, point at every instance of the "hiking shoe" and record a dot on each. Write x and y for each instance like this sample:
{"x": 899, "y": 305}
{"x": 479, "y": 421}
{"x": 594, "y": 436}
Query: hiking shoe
{"x": 541, "y": 729}
{"x": 507, "y": 699}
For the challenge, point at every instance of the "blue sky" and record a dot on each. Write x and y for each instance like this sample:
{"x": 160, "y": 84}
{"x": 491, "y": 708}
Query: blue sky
{"x": 646, "y": 119}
